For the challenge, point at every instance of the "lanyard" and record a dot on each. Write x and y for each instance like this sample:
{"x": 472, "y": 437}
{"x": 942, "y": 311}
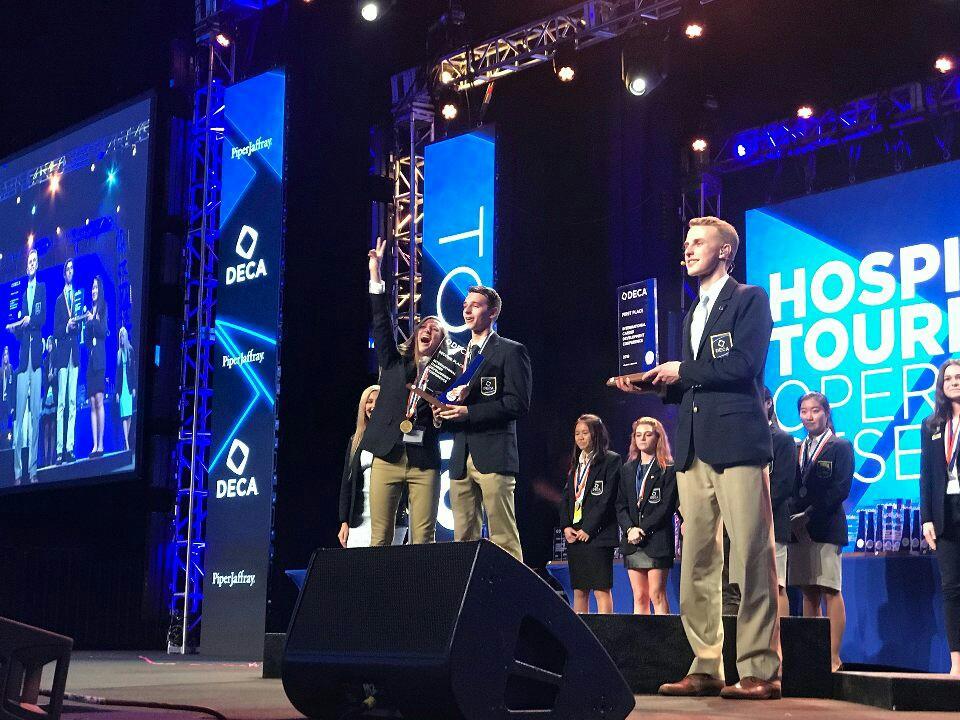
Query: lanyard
{"x": 641, "y": 484}
{"x": 581, "y": 481}
{"x": 817, "y": 449}
{"x": 420, "y": 384}
{"x": 951, "y": 444}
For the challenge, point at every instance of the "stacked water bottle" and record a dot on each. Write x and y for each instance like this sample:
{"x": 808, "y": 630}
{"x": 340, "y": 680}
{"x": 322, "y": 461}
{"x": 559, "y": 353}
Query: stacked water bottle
{"x": 892, "y": 527}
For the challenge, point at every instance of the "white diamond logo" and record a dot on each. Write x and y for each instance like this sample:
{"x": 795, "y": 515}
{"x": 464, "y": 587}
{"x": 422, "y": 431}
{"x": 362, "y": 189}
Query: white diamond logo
{"x": 247, "y": 235}
{"x": 244, "y": 452}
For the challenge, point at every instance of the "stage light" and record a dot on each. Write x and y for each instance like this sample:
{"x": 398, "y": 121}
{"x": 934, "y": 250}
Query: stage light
{"x": 87, "y": 221}
{"x": 58, "y": 230}
{"x": 111, "y": 177}
{"x": 33, "y": 210}
{"x": 804, "y": 112}
{"x": 134, "y": 150}
{"x": 637, "y": 85}
{"x": 118, "y": 208}
{"x": 446, "y": 77}
{"x": 30, "y": 239}
{"x": 93, "y": 166}
{"x": 369, "y": 11}
{"x": 449, "y": 111}
{"x": 741, "y": 151}
{"x": 944, "y": 64}
{"x": 564, "y": 62}
{"x": 449, "y": 103}
{"x": 694, "y": 30}
{"x": 223, "y": 40}
{"x": 18, "y": 199}
{"x": 54, "y": 181}
{"x": 699, "y": 145}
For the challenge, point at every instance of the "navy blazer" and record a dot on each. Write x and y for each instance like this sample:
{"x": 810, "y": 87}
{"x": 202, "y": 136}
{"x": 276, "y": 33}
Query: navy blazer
{"x": 827, "y": 481}
{"x": 784, "y": 474}
{"x": 933, "y": 473}
{"x": 31, "y": 336}
{"x": 654, "y": 514}
{"x": 499, "y": 395}
{"x": 67, "y": 349}
{"x": 721, "y": 418}
{"x": 599, "y": 516}
{"x": 383, "y": 436}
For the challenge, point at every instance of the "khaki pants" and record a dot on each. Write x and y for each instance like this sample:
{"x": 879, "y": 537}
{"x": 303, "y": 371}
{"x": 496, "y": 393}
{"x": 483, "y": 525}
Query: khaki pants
{"x": 740, "y": 496}
{"x": 386, "y": 485}
{"x": 493, "y": 492}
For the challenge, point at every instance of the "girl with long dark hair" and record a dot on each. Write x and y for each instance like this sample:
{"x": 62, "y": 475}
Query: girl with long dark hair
{"x": 95, "y": 335}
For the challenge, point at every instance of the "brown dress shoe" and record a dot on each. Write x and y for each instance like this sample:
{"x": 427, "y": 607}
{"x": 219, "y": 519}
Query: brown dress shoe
{"x": 696, "y": 685}
{"x": 752, "y": 688}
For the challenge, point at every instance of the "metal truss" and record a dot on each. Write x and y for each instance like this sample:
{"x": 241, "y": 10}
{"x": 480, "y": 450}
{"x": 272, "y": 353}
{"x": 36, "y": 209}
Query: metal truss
{"x": 883, "y": 112}
{"x": 584, "y": 24}
{"x": 80, "y": 157}
{"x": 215, "y": 66}
{"x": 700, "y": 196}
{"x": 413, "y": 129}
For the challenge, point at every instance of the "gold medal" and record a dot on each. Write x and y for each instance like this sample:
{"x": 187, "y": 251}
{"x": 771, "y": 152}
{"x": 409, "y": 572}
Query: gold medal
{"x": 406, "y": 426}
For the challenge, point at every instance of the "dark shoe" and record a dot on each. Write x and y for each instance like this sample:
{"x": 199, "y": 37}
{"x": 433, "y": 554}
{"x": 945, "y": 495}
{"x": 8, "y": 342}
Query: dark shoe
{"x": 752, "y": 688}
{"x": 696, "y": 685}
{"x": 68, "y": 457}
{"x": 59, "y": 460}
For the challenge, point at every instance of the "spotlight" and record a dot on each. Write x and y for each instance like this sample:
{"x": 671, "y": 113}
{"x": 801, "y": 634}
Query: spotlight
{"x": 637, "y": 85}
{"x": 223, "y": 40}
{"x": 93, "y": 166}
{"x": 370, "y": 10}
{"x": 694, "y": 30}
{"x": 134, "y": 150}
{"x": 58, "y": 230}
{"x": 30, "y": 239}
{"x": 18, "y": 199}
{"x": 54, "y": 181}
{"x": 448, "y": 102}
{"x": 944, "y": 64}
{"x": 564, "y": 62}
{"x": 699, "y": 145}
{"x": 741, "y": 151}
{"x": 446, "y": 77}
{"x": 111, "y": 177}
{"x": 804, "y": 112}
{"x": 642, "y": 67}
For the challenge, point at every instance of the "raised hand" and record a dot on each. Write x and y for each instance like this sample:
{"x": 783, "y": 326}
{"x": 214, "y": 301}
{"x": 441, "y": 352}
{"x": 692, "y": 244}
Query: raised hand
{"x": 375, "y": 260}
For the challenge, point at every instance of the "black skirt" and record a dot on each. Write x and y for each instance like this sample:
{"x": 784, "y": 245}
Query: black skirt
{"x": 591, "y": 566}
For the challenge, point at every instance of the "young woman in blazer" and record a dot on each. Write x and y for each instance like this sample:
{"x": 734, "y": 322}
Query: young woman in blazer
{"x": 355, "y": 483}
{"x": 940, "y": 497}
{"x": 818, "y": 520}
{"x": 588, "y": 516}
{"x": 646, "y": 504}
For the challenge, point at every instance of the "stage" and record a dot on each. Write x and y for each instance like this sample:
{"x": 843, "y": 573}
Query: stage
{"x": 236, "y": 690}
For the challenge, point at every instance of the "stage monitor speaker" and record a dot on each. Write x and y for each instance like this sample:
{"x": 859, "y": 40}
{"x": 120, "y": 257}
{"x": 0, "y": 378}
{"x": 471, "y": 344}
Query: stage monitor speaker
{"x": 24, "y": 651}
{"x": 448, "y": 630}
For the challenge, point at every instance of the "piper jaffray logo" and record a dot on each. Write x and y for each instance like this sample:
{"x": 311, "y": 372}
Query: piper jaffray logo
{"x": 254, "y": 146}
{"x": 234, "y": 578}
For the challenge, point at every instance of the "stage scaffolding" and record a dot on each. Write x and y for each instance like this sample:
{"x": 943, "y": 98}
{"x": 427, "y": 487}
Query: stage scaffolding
{"x": 214, "y": 68}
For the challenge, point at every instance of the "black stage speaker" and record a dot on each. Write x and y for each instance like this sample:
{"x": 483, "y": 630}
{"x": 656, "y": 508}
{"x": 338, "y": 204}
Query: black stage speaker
{"x": 24, "y": 651}
{"x": 450, "y": 630}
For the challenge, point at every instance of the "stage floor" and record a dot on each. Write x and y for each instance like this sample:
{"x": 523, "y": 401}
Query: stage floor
{"x": 237, "y": 691}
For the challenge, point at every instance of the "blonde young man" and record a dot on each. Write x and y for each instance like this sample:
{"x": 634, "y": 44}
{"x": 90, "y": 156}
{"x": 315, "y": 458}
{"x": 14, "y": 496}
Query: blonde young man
{"x": 722, "y": 446}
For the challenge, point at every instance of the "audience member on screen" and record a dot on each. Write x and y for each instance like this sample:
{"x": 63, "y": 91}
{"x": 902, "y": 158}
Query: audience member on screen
{"x": 818, "y": 520}
{"x": 588, "y": 516}
{"x": 401, "y": 435}
{"x": 32, "y": 305}
{"x": 125, "y": 390}
{"x": 95, "y": 333}
{"x": 355, "y": 484}
{"x": 646, "y": 505}
{"x": 940, "y": 497}
{"x": 66, "y": 333}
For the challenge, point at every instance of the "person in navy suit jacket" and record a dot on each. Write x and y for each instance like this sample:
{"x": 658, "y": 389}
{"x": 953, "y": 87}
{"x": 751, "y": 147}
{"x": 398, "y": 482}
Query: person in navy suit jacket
{"x": 722, "y": 447}
{"x": 818, "y": 520}
{"x": 940, "y": 497}
{"x": 588, "y": 515}
{"x": 646, "y": 505}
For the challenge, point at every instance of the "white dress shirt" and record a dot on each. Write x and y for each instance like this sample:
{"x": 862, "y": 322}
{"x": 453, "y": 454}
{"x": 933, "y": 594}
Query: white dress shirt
{"x": 705, "y": 303}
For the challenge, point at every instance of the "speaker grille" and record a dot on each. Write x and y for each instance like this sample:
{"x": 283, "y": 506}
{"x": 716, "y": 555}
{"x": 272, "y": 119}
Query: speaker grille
{"x": 378, "y": 600}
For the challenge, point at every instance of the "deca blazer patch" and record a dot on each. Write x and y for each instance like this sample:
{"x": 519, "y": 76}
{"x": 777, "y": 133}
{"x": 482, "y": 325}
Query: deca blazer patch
{"x": 720, "y": 345}
{"x": 824, "y": 468}
{"x": 597, "y": 488}
{"x": 488, "y": 386}
{"x": 654, "y": 496}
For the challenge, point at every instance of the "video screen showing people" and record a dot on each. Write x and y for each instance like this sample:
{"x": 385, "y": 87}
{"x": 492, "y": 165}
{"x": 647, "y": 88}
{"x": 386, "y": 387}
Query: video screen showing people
{"x": 73, "y": 216}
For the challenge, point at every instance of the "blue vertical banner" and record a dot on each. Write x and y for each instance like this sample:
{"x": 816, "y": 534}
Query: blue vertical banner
{"x": 458, "y": 247}
{"x": 864, "y": 286}
{"x": 241, "y": 466}
{"x": 637, "y": 326}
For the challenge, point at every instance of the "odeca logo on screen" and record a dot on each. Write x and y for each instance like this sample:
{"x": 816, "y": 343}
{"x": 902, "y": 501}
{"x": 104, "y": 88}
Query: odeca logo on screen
{"x": 236, "y": 462}
{"x": 245, "y": 249}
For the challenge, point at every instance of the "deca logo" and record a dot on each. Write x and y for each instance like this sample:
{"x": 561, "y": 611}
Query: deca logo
{"x": 237, "y": 462}
{"x": 246, "y": 247}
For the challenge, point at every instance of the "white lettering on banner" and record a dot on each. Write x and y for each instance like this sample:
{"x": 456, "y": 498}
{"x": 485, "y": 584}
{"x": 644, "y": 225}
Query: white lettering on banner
{"x": 250, "y": 356}
{"x": 478, "y": 233}
{"x": 236, "y": 487}
{"x": 633, "y": 294}
{"x": 245, "y": 248}
{"x": 234, "y": 578}
{"x": 250, "y": 148}
{"x": 238, "y": 446}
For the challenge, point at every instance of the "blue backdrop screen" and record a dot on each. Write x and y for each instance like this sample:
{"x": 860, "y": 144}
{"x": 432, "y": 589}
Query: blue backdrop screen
{"x": 864, "y": 287}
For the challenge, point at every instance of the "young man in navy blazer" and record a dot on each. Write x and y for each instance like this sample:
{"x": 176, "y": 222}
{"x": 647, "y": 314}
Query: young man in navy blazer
{"x": 485, "y": 462}
{"x": 722, "y": 447}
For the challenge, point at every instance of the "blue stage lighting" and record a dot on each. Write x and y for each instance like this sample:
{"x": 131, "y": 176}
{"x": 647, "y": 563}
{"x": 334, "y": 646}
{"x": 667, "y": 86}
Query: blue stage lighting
{"x": 741, "y": 151}
{"x": 111, "y": 177}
